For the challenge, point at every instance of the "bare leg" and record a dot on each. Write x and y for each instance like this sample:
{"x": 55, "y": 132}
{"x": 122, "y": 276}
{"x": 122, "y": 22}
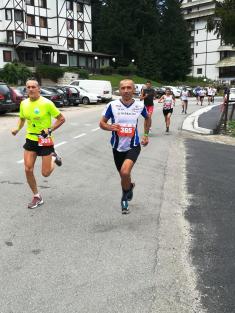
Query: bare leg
{"x": 125, "y": 174}
{"x": 29, "y": 161}
{"x": 48, "y": 165}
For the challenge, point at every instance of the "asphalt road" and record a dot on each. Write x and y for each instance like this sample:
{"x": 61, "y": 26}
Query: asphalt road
{"x": 77, "y": 253}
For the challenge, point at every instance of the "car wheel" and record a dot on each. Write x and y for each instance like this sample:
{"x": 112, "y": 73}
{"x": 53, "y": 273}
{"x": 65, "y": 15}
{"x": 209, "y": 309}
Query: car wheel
{"x": 85, "y": 100}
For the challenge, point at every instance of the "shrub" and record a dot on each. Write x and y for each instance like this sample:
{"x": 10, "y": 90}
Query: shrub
{"x": 50, "y": 72}
{"x": 127, "y": 70}
{"x": 14, "y": 73}
{"x": 83, "y": 73}
{"x": 107, "y": 70}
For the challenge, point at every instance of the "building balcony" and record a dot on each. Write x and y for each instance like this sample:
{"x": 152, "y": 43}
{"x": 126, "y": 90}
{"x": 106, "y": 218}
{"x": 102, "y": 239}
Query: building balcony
{"x": 197, "y": 3}
{"x": 198, "y": 14}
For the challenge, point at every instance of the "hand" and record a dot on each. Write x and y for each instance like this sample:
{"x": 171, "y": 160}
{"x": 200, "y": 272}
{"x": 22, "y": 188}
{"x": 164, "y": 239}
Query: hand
{"x": 14, "y": 131}
{"x": 115, "y": 127}
{"x": 145, "y": 140}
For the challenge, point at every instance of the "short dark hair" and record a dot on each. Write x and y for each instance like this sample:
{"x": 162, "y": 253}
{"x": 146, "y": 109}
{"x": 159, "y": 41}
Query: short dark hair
{"x": 148, "y": 82}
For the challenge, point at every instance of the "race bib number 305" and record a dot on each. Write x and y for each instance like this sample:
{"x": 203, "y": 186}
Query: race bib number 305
{"x": 45, "y": 142}
{"x": 126, "y": 131}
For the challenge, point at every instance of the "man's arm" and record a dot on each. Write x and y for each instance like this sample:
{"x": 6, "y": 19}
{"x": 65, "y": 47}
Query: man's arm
{"x": 60, "y": 119}
{"x": 21, "y": 122}
{"x": 106, "y": 126}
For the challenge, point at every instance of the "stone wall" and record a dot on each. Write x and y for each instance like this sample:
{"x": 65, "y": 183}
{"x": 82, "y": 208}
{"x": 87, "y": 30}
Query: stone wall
{"x": 65, "y": 80}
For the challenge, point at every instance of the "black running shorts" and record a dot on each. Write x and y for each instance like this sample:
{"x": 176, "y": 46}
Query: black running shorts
{"x": 32, "y": 145}
{"x": 167, "y": 111}
{"x": 120, "y": 157}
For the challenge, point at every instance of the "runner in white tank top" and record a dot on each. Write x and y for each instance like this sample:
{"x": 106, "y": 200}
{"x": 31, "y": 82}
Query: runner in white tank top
{"x": 168, "y": 101}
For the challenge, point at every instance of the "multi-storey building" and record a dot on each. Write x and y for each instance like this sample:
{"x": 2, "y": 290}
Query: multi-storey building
{"x": 48, "y": 32}
{"x": 211, "y": 58}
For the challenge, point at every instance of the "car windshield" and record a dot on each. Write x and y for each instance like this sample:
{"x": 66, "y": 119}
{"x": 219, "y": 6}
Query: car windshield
{"x": 83, "y": 89}
{"x": 232, "y": 90}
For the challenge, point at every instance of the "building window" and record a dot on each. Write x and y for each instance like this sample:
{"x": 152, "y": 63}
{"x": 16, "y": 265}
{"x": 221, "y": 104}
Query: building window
{"x": 31, "y": 36}
{"x": 8, "y": 14}
{"x": 44, "y": 38}
{"x": 189, "y": 10}
{"x": 80, "y": 26}
{"x": 80, "y": 44}
{"x": 80, "y": 8}
{"x": 196, "y": 43}
{"x": 62, "y": 58}
{"x": 18, "y": 15}
{"x": 30, "y": 20}
{"x": 196, "y": 55}
{"x": 7, "y": 56}
{"x": 42, "y": 3}
{"x": 69, "y": 5}
{"x": 70, "y": 24}
{"x": 19, "y": 36}
{"x": 70, "y": 42}
{"x": 199, "y": 70}
{"x": 30, "y": 2}
{"x": 42, "y": 22}
{"x": 9, "y": 36}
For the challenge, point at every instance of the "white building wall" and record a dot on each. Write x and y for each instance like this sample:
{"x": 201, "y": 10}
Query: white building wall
{"x": 205, "y": 44}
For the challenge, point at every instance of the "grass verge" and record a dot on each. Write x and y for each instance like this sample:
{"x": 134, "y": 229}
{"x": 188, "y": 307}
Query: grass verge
{"x": 231, "y": 128}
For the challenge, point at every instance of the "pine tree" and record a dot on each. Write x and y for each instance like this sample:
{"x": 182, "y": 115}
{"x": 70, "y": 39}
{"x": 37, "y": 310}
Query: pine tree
{"x": 223, "y": 22}
{"x": 175, "y": 45}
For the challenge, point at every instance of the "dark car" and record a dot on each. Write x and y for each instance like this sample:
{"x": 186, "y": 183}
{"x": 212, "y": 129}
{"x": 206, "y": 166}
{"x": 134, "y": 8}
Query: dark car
{"x": 6, "y": 103}
{"x": 60, "y": 91}
{"x": 17, "y": 96}
{"x": 159, "y": 92}
{"x": 55, "y": 97}
{"x": 73, "y": 95}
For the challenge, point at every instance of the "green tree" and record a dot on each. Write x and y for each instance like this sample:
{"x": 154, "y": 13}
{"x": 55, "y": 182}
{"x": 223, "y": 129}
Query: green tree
{"x": 223, "y": 22}
{"x": 175, "y": 44}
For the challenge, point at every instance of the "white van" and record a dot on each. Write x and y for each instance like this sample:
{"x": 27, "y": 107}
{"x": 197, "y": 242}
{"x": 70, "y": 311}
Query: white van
{"x": 102, "y": 88}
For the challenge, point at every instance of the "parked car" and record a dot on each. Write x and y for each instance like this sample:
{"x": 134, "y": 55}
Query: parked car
{"x": 60, "y": 91}
{"x": 138, "y": 88}
{"x": 17, "y": 96}
{"x": 6, "y": 103}
{"x": 232, "y": 95}
{"x": 159, "y": 91}
{"x": 54, "y": 96}
{"x": 87, "y": 97}
{"x": 101, "y": 88}
{"x": 175, "y": 90}
{"x": 72, "y": 94}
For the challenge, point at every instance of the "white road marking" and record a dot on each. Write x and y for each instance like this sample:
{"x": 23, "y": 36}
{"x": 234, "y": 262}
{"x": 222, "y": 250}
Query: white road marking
{"x": 20, "y": 162}
{"x": 81, "y": 135}
{"x": 60, "y": 144}
{"x": 95, "y": 129}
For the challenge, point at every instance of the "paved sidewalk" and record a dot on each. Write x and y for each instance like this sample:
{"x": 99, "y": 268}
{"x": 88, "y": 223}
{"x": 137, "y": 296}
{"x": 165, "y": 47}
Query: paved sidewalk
{"x": 204, "y": 119}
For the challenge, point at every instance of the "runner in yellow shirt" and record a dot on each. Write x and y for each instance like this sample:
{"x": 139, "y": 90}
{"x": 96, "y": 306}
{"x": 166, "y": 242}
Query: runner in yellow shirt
{"x": 38, "y": 111}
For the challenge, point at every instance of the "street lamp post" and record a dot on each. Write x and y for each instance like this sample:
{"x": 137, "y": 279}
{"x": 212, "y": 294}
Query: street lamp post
{"x": 95, "y": 64}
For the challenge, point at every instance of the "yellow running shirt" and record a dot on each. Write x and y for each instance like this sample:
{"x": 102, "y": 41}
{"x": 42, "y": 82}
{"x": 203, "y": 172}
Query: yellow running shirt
{"x": 38, "y": 114}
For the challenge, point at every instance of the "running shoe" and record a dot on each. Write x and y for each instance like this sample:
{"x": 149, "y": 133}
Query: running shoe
{"x": 130, "y": 192}
{"x": 58, "y": 159}
{"x": 167, "y": 129}
{"x": 124, "y": 205}
{"x": 36, "y": 201}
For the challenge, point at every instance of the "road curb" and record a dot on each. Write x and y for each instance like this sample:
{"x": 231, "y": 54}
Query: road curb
{"x": 191, "y": 122}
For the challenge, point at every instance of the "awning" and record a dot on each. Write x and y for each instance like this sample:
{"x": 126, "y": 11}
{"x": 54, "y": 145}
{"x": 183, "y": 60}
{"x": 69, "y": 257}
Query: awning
{"x": 37, "y": 43}
{"x": 227, "y": 62}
